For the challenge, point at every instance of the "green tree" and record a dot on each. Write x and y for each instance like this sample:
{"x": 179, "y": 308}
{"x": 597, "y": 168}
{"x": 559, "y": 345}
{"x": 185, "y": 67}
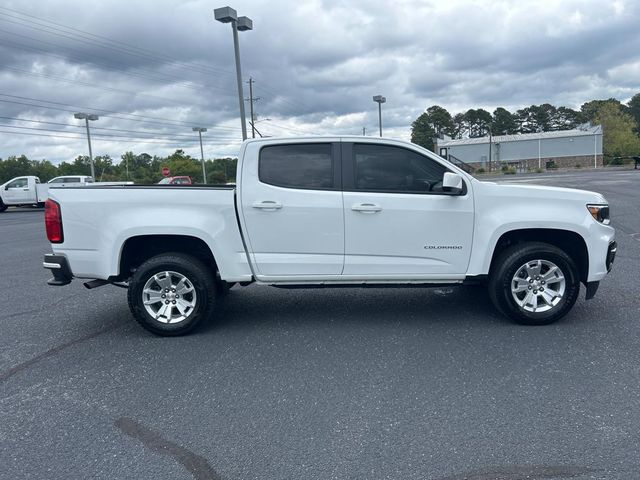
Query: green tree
{"x": 440, "y": 120}
{"x": 590, "y": 109}
{"x": 459, "y": 125}
{"x": 478, "y": 122}
{"x": 43, "y": 169}
{"x": 634, "y": 110}
{"x": 620, "y": 140}
{"x": 15, "y": 167}
{"x": 503, "y": 122}
{"x": 422, "y": 132}
{"x": 566, "y": 118}
{"x": 435, "y": 121}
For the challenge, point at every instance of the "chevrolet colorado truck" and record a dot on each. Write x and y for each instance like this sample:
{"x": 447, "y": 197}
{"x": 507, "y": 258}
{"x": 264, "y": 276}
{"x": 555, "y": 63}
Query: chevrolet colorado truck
{"x": 337, "y": 211}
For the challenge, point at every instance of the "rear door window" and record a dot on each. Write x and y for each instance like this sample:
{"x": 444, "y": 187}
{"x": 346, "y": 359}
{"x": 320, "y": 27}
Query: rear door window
{"x": 306, "y": 166}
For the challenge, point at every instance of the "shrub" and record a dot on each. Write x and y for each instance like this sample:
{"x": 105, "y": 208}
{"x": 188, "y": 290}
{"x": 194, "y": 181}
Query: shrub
{"x": 480, "y": 170}
{"x": 509, "y": 170}
{"x": 538, "y": 170}
{"x": 578, "y": 165}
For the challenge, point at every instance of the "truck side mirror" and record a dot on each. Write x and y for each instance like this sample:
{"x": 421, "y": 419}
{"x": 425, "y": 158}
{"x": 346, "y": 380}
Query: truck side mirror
{"x": 452, "y": 183}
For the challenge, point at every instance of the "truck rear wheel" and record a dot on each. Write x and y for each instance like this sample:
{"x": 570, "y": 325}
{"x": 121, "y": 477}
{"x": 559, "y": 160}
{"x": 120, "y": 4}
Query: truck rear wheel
{"x": 170, "y": 294}
{"x": 534, "y": 283}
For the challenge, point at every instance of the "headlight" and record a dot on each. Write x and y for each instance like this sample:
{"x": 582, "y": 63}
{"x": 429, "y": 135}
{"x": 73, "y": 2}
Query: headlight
{"x": 599, "y": 213}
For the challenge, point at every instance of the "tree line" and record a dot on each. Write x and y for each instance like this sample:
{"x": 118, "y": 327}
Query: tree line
{"x": 139, "y": 168}
{"x": 620, "y": 122}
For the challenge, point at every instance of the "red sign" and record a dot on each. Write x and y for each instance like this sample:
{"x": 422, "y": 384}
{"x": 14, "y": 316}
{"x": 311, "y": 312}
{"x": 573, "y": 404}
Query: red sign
{"x": 165, "y": 171}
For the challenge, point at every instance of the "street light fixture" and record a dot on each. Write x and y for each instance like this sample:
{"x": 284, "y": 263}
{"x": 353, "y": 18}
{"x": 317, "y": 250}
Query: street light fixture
{"x": 229, "y": 15}
{"x": 86, "y": 117}
{"x": 200, "y": 130}
{"x": 379, "y": 99}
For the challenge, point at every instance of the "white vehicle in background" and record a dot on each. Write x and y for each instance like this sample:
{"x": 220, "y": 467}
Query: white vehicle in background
{"x": 22, "y": 191}
{"x": 70, "y": 180}
{"x": 27, "y": 190}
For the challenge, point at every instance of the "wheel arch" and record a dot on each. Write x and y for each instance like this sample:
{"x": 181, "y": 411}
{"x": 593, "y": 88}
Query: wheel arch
{"x": 572, "y": 243}
{"x": 137, "y": 249}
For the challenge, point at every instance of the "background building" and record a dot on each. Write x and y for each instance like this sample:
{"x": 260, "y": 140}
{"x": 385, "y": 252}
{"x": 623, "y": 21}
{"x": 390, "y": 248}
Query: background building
{"x": 563, "y": 148}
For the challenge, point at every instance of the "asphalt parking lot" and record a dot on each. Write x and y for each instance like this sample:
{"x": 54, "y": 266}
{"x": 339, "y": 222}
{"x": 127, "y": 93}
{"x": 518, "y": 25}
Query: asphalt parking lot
{"x": 332, "y": 383}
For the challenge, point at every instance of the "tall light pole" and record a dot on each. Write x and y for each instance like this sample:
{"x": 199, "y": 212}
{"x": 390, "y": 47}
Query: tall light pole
{"x": 379, "y": 99}
{"x": 86, "y": 117}
{"x": 200, "y": 130}
{"x": 229, "y": 15}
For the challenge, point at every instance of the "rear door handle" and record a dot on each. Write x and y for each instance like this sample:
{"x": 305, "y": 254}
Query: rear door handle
{"x": 267, "y": 205}
{"x": 366, "y": 207}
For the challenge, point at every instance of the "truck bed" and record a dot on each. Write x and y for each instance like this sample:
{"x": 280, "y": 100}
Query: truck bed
{"x": 97, "y": 221}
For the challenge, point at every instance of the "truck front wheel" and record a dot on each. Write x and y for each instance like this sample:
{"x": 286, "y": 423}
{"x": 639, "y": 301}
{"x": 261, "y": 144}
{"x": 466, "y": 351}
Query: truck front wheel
{"x": 534, "y": 283}
{"x": 170, "y": 294}
{"x": 3, "y": 207}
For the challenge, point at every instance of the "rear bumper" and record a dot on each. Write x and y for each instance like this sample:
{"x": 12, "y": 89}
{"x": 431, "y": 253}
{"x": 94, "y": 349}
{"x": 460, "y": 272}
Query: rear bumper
{"x": 611, "y": 255}
{"x": 59, "y": 266}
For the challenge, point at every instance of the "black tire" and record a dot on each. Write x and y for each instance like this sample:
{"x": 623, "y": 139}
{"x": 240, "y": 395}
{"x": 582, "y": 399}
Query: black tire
{"x": 198, "y": 276}
{"x": 3, "y": 207}
{"x": 510, "y": 262}
{"x": 40, "y": 205}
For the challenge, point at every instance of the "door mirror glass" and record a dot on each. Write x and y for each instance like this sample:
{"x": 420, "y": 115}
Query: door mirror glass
{"x": 452, "y": 183}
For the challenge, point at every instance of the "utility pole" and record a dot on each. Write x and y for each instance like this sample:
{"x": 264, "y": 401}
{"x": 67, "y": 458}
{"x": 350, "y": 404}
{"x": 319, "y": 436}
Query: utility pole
{"x": 364, "y": 131}
{"x": 251, "y": 100}
{"x": 204, "y": 172}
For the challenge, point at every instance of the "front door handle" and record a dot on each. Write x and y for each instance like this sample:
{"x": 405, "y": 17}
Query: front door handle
{"x": 267, "y": 205}
{"x": 366, "y": 207}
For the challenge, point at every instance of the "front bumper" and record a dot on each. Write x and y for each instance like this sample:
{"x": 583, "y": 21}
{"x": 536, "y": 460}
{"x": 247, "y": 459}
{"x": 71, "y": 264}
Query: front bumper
{"x": 59, "y": 266}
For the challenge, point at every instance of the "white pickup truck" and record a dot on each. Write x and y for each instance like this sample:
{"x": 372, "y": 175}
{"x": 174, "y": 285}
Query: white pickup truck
{"x": 21, "y": 191}
{"x": 28, "y": 190}
{"x": 318, "y": 211}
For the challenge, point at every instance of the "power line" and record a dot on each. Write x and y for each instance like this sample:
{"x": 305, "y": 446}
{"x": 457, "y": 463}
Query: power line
{"x": 118, "y": 141}
{"x": 296, "y": 107}
{"x": 149, "y": 74}
{"x": 103, "y": 42}
{"x": 109, "y": 129}
{"x": 106, "y": 135}
{"x": 106, "y": 43}
{"x": 292, "y": 106}
{"x": 88, "y": 84}
{"x": 292, "y": 129}
{"x": 162, "y": 142}
{"x": 106, "y": 113}
{"x": 65, "y": 58}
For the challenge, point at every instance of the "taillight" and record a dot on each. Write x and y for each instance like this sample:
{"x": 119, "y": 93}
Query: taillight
{"x": 53, "y": 221}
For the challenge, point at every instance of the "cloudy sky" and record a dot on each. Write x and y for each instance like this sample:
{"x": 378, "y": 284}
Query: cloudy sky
{"x": 154, "y": 69}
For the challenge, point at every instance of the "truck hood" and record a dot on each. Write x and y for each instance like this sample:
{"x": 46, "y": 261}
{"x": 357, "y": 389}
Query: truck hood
{"x": 542, "y": 191}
